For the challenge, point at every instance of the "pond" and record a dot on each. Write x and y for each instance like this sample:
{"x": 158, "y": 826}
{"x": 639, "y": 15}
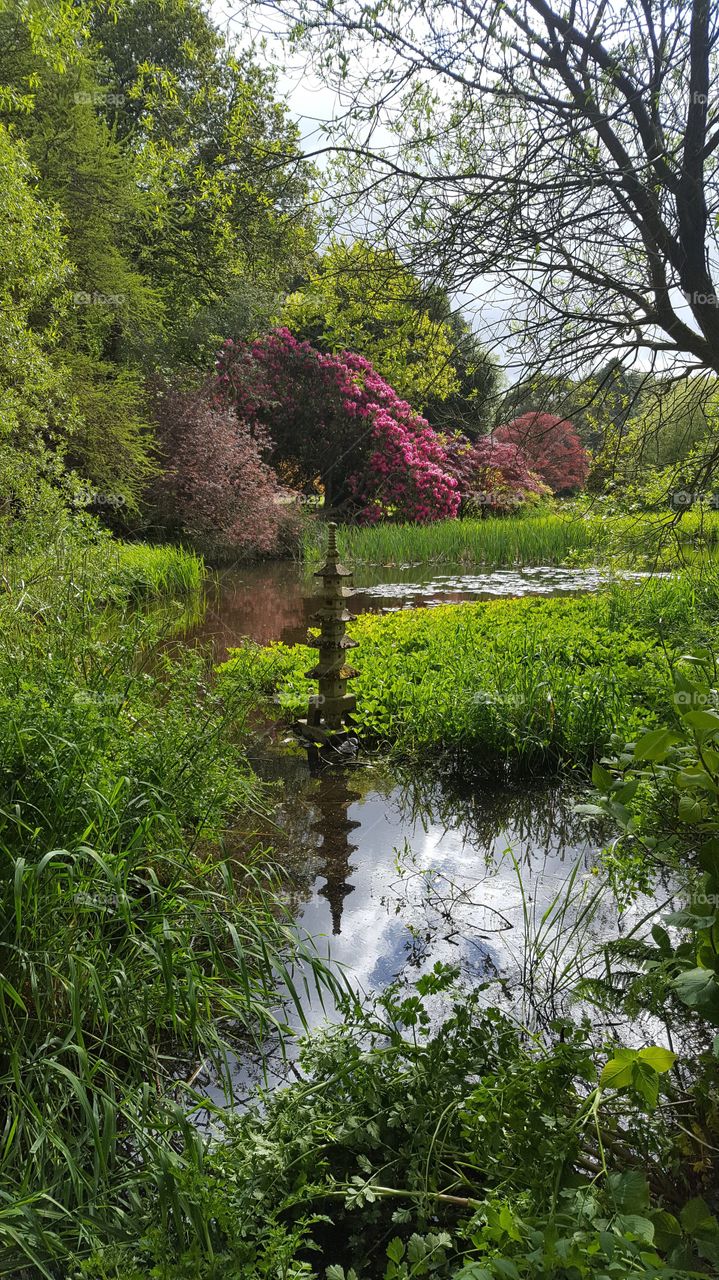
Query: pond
{"x": 273, "y": 600}
{"x": 388, "y": 873}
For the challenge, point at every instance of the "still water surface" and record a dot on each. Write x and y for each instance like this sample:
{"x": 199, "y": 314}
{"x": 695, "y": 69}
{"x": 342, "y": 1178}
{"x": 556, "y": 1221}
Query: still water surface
{"x": 273, "y": 601}
{"x": 389, "y": 873}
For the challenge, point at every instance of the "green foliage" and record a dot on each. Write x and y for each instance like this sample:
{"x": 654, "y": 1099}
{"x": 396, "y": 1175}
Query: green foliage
{"x": 675, "y": 419}
{"x": 572, "y": 536}
{"x": 33, "y": 393}
{"x": 362, "y": 299}
{"x": 230, "y": 217}
{"x": 131, "y": 951}
{"x": 470, "y": 409}
{"x": 520, "y": 685}
{"x": 662, "y": 792}
{"x": 152, "y": 200}
{"x": 471, "y": 1152}
{"x": 113, "y": 442}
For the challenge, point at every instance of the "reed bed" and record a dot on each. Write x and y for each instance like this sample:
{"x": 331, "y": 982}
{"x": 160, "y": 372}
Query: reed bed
{"x": 132, "y": 953}
{"x": 555, "y": 538}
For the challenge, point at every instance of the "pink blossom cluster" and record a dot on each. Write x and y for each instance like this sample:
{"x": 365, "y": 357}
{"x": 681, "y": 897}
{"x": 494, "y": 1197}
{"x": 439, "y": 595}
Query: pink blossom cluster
{"x": 335, "y": 412}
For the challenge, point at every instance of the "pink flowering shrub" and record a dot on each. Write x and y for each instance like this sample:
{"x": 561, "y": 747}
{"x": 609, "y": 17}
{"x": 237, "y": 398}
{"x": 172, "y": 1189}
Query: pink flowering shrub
{"x": 493, "y": 476}
{"x": 216, "y": 488}
{"x": 334, "y": 416}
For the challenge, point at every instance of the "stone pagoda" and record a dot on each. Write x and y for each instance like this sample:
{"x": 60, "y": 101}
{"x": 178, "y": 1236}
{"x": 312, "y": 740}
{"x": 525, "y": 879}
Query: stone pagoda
{"x": 329, "y": 712}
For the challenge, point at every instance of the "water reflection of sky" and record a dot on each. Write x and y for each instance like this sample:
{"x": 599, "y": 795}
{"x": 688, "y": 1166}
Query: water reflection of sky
{"x": 388, "y": 878}
{"x": 388, "y": 875}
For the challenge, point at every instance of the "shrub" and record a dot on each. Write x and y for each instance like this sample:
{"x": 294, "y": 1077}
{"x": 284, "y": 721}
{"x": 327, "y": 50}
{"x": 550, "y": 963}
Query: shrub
{"x": 216, "y": 488}
{"x": 493, "y": 477}
{"x": 552, "y": 449}
{"x": 336, "y": 417}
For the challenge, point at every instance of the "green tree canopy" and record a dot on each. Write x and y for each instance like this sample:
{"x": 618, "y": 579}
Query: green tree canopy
{"x": 154, "y": 200}
{"x": 362, "y": 299}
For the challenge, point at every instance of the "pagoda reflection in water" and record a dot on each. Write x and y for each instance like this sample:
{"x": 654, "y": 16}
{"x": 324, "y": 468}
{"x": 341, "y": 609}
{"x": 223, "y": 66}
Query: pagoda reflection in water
{"x": 334, "y": 826}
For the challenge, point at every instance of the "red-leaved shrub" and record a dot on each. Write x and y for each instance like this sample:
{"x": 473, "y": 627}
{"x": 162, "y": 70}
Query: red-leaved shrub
{"x": 493, "y": 477}
{"x": 552, "y": 449}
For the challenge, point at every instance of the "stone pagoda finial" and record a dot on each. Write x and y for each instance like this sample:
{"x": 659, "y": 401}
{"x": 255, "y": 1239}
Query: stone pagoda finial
{"x": 330, "y": 710}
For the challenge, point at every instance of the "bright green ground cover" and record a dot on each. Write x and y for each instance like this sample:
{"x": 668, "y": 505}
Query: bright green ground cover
{"x": 554, "y": 538}
{"x": 522, "y": 685}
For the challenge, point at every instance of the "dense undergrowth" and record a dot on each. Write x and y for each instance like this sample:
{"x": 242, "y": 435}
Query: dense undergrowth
{"x": 131, "y": 951}
{"x": 473, "y": 1154}
{"x": 489, "y": 1149}
{"x": 564, "y": 536}
{"x": 510, "y": 686}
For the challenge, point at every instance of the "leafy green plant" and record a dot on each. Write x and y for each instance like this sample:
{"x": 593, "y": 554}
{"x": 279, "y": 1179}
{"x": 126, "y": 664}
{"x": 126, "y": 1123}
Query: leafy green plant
{"x": 133, "y": 954}
{"x": 507, "y": 686}
{"x": 466, "y": 1150}
{"x": 662, "y": 792}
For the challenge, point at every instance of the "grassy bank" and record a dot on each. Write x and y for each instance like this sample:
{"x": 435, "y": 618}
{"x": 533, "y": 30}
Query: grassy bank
{"x": 108, "y": 571}
{"x": 552, "y": 539}
{"x": 519, "y": 686}
{"x": 131, "y": 952}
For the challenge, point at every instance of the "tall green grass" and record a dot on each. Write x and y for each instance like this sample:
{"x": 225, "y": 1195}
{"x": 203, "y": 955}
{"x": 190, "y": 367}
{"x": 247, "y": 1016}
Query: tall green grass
{"x": 107, "y": 570}
{"x": 518, "y": 686}
{"x": 551, "y": 539}
{"x": 132, "y": 952}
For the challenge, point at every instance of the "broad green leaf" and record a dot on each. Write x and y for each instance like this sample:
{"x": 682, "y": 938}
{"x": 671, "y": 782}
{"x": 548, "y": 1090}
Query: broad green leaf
{"x": 656, "y": 744}
{"x": 704, "y": 722}
{"x": 667, "y": 1231}
{"x": 601, "y": 778}
{"x": 690, "y": 809}
{"x": 699, "y": 989}
{"x": 657, "y": 1058}
{"x": 506, "y": 1268}
{"x": 640, "y": 1227}
{"x": 697, "y": 1216}
{"x": 616, "y": 1074}
{"x": 395, "y": 1250}
{"x": 646, "y": 1082}
{"x": 630, "y": 1190}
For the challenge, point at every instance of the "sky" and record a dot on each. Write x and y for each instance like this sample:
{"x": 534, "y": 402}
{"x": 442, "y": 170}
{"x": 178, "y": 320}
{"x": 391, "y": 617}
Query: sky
{"x": 313, "y": 104}
{"x": 489, "y": 306}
